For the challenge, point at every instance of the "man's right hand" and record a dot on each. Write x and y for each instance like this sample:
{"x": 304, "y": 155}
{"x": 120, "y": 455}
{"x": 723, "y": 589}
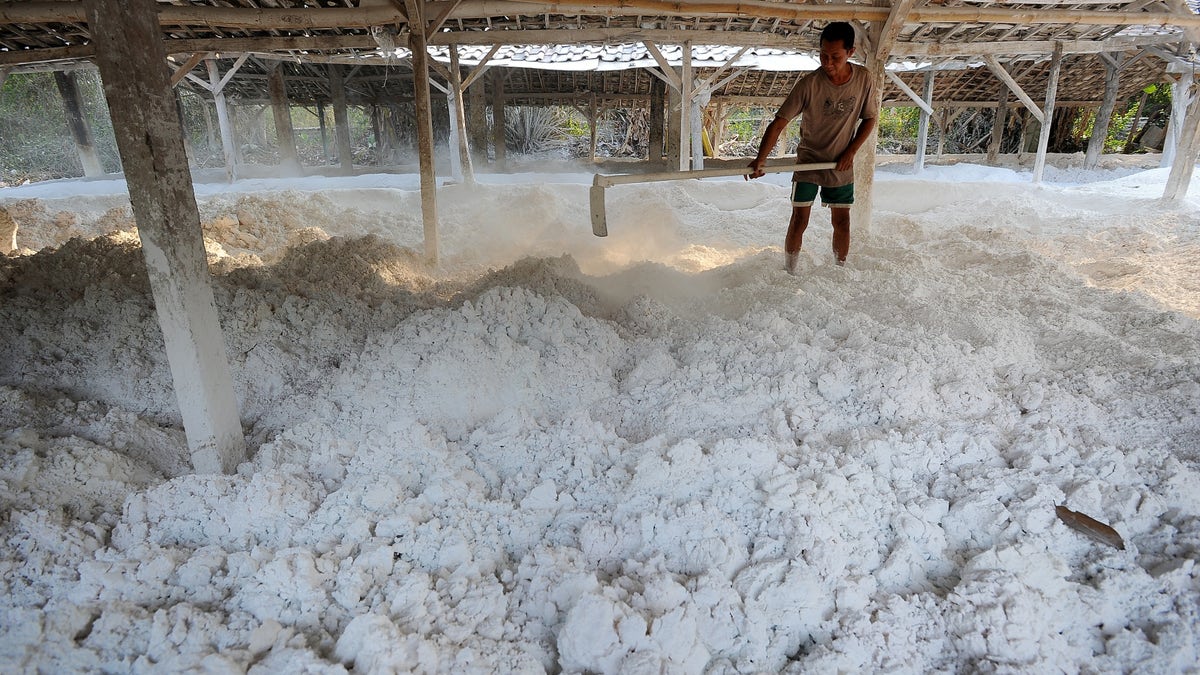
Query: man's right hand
{"x": 756, "y": 169}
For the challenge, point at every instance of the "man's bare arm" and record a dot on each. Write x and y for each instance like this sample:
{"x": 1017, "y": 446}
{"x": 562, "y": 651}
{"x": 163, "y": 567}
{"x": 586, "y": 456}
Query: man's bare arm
{"x": 846, "y": 159}
{"x": 770, "y": 138}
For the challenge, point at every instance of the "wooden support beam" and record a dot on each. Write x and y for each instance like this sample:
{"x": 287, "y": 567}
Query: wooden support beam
{"x": 228, "y": 143}
{"x": 1015, "y": 88}
{"x": 1039, "y": 164}
{"x": 686, "y": 151}
{"x": 436, "y": 25}
{"x": 925, "y": 106}
{"x": 380, "y": 15}
{"x": 668, "y": 73}
{"x": 1182, "y": 91}
{"x": 285, "y": 136}
{"x": 150, "y": 140}
{"x": 886, "y": 37}
{"x": 923, "y": 124}
{"x": 1186, "y": 152}
{"x": 341, "y": 119}
{"x": 864, "y": 163}
{"x": 499, "y": 143}
{"x": 480, "y": 68}
{"x": 1112, "y": 85}
{"x": 81, "y": 132}
{"x": 420, "y": 62}
{"x": 182, "y": 71}
{"x": 458, "y": 119}
{"x": 658, "y": 106}
{"x": 994, "y": 147}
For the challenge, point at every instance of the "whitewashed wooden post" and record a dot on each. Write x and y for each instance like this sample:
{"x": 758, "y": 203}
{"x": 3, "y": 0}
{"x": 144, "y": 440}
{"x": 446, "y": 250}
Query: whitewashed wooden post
{"x": 1181, "y": 96}
{"x": 424, "y": 109}
{"x": 285, "y": 136}
{"x": 85, "y": 146}
{"x": 132, "y": 61}
{"x": 685, "y": 108}
{"x": 499, "y": 145}
{"x": 228, "y": 147}
{"x": 995, "y": 145}
{"x": 864, "y": 161}
{"x": 923, "y": 124}
{"x": 1186, "y": 151}
{"x": 458, "y": 119}
{"x": 341, "y": 121}
{"x": 1039, "y": 164}
{"x": 1112, "y": 85}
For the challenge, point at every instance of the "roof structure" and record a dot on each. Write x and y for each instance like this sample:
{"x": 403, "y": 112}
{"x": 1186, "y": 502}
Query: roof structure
{"x": 553, "y": 52}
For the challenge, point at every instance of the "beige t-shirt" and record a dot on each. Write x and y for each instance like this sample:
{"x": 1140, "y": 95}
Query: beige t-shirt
{"x": 830, "y": 118}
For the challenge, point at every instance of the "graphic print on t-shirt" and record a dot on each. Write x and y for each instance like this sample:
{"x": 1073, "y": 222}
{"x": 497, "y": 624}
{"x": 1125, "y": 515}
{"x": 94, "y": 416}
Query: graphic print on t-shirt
{"x": 840, "y": 107}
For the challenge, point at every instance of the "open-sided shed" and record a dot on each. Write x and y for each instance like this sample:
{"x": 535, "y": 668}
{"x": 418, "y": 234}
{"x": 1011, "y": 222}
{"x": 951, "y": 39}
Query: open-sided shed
{"x": 935, "y": 53}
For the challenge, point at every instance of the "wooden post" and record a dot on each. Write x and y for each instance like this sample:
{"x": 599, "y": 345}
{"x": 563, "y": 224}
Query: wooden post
{"x": 1181, "y": 96}
{"x": 592, "y": 121}
{"x": 458, "y": 118}
{"x": 997, "y": 142}
{"x": 864, "y": 162}
{"x": 658, "y": 106}
{"x": 132, "y": 61}
{"x": 324, "y": 131}
{"x": 68, "y": 87}
{"x": 1112, "y": 84}
{"x": 1039, "y": 164}
{"x": 700, "y": 99}
{"x": 341, "y": 121}
{"x": 923, "y": 125}
{"x": 674, "y": 113}
{"x": 1186, "y": 151}
{"x": 377, "y": 132}
{"x": 477, "y": 123}
{"x": 424, "y": 109}
{"x": 499, "y": 144}
{"x": 228, "y": 143}
{"x": 686, "y": 88}
{"x": 1133, "y": 128}
{"x": 285, "y": 137}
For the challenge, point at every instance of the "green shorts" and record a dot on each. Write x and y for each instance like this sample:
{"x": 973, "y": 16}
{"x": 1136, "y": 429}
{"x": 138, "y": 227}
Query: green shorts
{"x": 841, "y": 197}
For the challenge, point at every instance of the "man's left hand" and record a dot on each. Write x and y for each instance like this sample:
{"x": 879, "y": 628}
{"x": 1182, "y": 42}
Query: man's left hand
{"x": 845, "y": 161}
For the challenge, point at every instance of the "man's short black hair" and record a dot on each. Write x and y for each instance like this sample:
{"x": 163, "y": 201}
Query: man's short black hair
{"x": 839, "y": 31}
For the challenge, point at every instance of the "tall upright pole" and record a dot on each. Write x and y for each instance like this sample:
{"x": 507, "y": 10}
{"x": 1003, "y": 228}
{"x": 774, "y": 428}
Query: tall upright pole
{"x": 132, "y": 61}
{"x": 1039, "y": 164}
{"x": 68, "y": 88}
{"x": 420, "y": 63}
{"x": 1112, "y": 84}
{"x": 228, "y": 147}
{"x": 923, "y": 124}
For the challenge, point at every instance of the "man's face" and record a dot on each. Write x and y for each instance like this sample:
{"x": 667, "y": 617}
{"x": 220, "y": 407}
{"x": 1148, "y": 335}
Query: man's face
{"x": 834, "y": 57}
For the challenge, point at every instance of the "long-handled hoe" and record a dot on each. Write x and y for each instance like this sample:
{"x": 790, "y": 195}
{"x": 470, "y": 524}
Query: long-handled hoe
{"x": 600, "y": 182}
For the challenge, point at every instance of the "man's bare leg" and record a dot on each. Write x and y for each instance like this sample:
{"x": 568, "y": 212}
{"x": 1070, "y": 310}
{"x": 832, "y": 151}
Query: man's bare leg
{"x": 795, "y": 235}
{"x": 841, "y": 233}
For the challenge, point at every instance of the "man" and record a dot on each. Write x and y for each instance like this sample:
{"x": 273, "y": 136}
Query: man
{"x": 832, "y": 100}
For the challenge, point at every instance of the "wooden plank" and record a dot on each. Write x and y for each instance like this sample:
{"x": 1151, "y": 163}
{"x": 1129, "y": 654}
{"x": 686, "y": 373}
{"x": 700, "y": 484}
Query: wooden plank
{"x": 150, "y": 141}
{"x": 668, "y": 73}
{"x": 341, "y": 120}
